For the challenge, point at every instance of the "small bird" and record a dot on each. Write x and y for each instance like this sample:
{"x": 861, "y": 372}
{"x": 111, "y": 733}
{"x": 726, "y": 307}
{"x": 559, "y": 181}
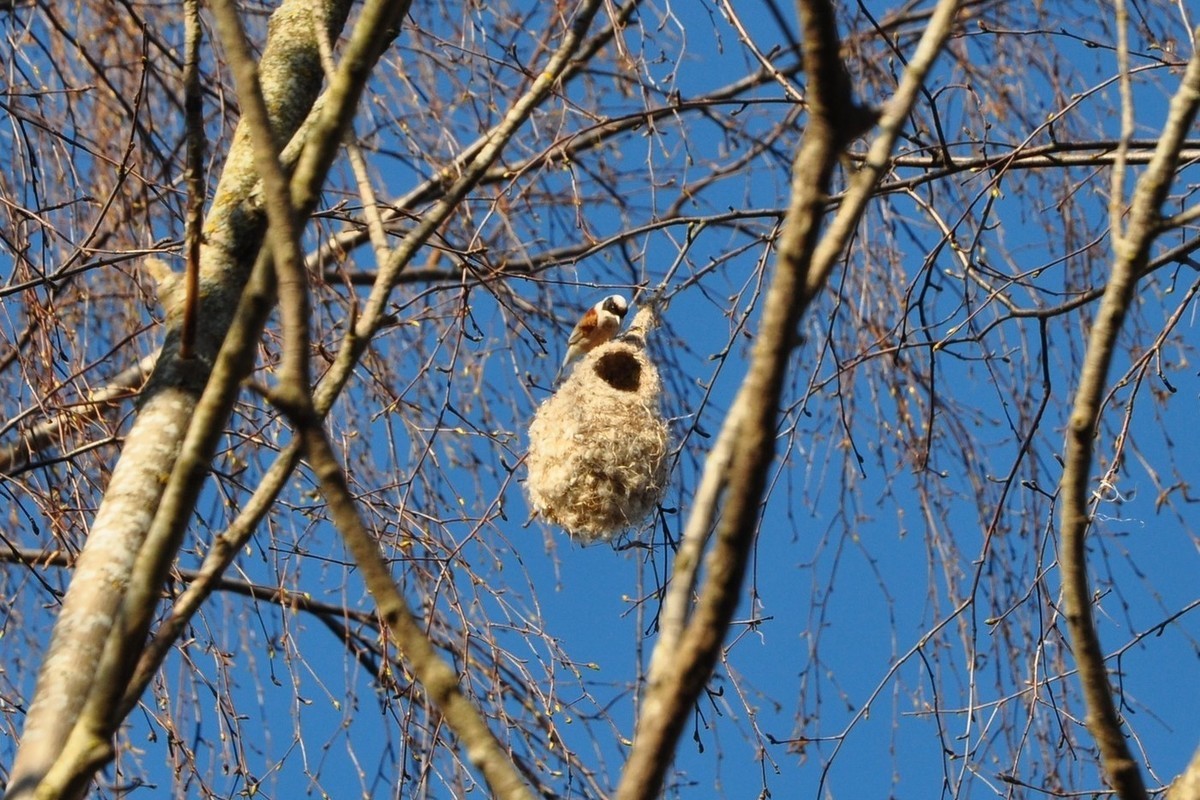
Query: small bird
{"x": 599, "y": 324}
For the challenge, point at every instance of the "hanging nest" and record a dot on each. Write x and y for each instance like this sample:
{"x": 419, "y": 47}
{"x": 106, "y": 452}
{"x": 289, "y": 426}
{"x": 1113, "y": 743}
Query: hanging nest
{"x": 598, "y": 446}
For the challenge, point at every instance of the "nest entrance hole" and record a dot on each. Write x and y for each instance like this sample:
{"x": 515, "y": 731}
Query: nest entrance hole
{"x": 620, "y": 370}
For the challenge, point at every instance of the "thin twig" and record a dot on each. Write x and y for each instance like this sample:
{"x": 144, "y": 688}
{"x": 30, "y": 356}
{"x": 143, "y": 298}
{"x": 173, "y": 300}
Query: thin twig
{"x": 1116, "y": 198}
{"x": 193, "y": 107}
{"x": 436, "y": 677}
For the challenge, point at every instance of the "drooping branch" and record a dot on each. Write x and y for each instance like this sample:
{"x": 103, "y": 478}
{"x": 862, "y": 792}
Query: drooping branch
{"x": 15, "y": 456}
{"x": 439, "y": 681}
{"x": 568, "y": 62}
{"x": 373, "y": 314}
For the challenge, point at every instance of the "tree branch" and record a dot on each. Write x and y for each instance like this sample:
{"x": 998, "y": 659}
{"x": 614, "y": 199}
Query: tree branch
{"x": 14, "y": 456}
{"x": 439, "y": 681}
{"x": 1131, "y": 255}
{"x": 125, "y": 538}
{"x": 193, "y": 104}
{"x": 688, "y": 648}
{"x": 283, "y": 230}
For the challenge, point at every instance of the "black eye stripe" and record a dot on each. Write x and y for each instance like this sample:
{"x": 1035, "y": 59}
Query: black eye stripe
{"x": 613, "y": 307}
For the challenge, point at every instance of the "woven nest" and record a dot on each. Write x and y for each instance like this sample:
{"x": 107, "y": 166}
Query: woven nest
{"x": 598, "y": 446}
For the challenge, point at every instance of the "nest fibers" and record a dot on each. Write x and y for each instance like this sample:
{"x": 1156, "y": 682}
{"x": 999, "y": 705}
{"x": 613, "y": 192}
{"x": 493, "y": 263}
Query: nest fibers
{"x": 598, "y": 446}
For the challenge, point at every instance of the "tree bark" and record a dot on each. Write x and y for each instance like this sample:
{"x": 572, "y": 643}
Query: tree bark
{"x": 292, "y": 77}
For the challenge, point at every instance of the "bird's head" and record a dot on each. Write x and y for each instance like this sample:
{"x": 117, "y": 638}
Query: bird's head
{"x": 615, "y": 304}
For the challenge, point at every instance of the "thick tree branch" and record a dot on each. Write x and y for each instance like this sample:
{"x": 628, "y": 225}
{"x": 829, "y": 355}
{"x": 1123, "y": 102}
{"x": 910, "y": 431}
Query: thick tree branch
{"x": 283, "y": 229}
{"x": 1130, "y": 257}
{"x": 91, "y": 605}
{"x": 293, "y": 395}
{"x": 440, "y": 693}
{"x": 291, "y": 73}
{"x": 89, "y": 745}
{"x": 226, "y": 546}
{"x": 689, "y": 645}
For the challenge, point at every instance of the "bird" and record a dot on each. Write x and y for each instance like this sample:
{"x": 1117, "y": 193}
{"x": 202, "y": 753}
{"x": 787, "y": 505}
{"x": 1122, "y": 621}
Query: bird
{"x": 598, "y": 325}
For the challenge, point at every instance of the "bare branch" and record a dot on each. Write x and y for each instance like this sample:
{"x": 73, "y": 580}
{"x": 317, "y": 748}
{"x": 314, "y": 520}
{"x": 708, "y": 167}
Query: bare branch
{"x": 42, "y": 434}
{"x": 282, "y": 229}
{"x": 439, "y": 681}
{"x": 194, "y": 176}
{"x": 687, "y": 650}
{"x": 70, "y": 673}
{"x": 1131, "y": 254}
